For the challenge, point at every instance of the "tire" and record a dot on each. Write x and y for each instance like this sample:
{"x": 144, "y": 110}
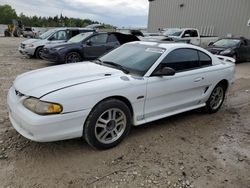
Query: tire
{"x": 7, "y": 33}
{"x": 108, "y": 124}
{"x": 216, "y": 98}
{"x": 17, "y": 32}
{"x": 38, "y": 52}
{"x": 73, "y": 57}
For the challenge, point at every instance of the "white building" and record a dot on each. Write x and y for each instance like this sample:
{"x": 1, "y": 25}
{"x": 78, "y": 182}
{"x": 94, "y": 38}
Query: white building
{"x": 211, "y": 17}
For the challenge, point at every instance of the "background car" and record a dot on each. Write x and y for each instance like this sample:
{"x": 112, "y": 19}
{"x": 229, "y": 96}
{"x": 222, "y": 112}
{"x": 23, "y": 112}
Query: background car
{"x": 30, "y": 32}
{"x": 85, "y": 46}
{"x": 134, "y": 84}
{"x": 237, "y": 48}
{"x": 33, "y": 47}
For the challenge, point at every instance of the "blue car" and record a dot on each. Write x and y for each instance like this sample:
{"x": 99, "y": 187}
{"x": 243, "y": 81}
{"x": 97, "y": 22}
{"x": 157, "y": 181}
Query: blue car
{"x": 85, "y": 46}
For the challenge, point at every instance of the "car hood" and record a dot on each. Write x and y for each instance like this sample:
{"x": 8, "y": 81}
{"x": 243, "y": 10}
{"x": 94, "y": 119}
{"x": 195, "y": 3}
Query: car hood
{"x": 31, "y": 41}
{"x": 43, "y": 81}
{"x": 64, "y": 44}
{"x": 217, "y": 50}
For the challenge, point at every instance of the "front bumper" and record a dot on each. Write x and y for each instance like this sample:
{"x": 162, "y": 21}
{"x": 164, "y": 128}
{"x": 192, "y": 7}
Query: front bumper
{"x": 27, "y": 51}
{"x": 44, "y": 128}
{"x": 52, "y": 56}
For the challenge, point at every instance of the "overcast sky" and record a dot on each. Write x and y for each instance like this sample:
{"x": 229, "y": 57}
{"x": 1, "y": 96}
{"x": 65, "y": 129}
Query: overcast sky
{"x": 116, "y": 12}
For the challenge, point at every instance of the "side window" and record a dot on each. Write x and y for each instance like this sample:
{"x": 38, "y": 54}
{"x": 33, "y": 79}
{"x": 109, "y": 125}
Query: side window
{"x": 74, "y": 33}
{"x": 205, "y": 60}
{"x": 59, "y": 35}
{"x": 182, "y": 60}
{"x": 194, "y": 33}
{"x": 186, "y": 34}
{"x": 99, "y": 39}
{"x": 112, "y": 38}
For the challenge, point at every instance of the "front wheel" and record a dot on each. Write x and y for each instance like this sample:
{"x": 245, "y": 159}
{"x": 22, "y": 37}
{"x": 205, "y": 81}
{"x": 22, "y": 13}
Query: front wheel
{"x": 38, "y": 53}
{"x": 216, "y": 98}
{"x": 108, "y": 124}
{"x": 73, "y": 57}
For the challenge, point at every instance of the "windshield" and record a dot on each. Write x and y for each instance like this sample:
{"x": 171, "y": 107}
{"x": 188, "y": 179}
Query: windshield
{"x": 46, "y": 34}
{"x": 135, "y": 58}
{"x": 173, "y": 32}
{"x": 80, "y": 37}
{"x": 227, "y": 43}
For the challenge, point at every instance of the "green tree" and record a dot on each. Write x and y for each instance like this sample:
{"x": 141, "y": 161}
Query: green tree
{"x": 7, "y": 14}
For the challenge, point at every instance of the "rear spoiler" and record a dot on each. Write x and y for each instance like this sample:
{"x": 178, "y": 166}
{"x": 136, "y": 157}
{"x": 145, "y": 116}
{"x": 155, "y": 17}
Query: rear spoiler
{"x": 226, "y": 59}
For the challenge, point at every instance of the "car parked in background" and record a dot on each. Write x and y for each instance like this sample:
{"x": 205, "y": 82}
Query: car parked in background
{"x": 30, "y": 32}
{"x": 237, "y": 48}
{"x": 99, "y": 100}
{"x": 185, "y": 35}
{"x": 33, "y": 47}
{"x": 85, "y": 46}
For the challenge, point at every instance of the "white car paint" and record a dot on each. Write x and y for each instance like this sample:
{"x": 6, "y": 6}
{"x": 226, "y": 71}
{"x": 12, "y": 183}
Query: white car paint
{"x": 79, "y": 87}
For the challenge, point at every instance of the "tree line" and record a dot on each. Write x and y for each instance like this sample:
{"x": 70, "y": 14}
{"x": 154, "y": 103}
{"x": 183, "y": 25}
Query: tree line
{"x": 7, "y": 14}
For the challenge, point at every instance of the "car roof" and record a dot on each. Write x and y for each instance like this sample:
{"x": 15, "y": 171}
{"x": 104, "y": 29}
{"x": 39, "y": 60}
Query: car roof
{"x": 71, "y": 28}
{"x": 234, "y": 38}
{"x": 166, "y": 45}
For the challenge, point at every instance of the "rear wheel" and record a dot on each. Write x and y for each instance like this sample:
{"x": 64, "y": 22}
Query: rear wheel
{"x": 108, "y": 124}
{"x": 73, "y": 57}
{"x": 7, "y": 33}
{"x": 216, "y": 98}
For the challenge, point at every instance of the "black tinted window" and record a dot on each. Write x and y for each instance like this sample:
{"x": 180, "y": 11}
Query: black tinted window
{"x": 182, "y": 59}
{"x": 74, "y": 33}
{"x": 112, "y": 38}
{"x": 194, "y": 33}
{"x": 205, "y": 60}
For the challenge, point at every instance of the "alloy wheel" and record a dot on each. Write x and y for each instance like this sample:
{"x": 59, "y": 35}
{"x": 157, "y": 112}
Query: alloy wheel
{"x": 110, "y": 126}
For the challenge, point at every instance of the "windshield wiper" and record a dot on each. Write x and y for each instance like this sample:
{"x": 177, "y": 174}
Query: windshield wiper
{"x": 97, "y": 61}
{"x": 120, "y": 67}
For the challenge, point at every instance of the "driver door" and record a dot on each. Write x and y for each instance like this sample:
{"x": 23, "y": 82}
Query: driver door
{"x": 168, "y": 94}
{"x": 95, "y": 46}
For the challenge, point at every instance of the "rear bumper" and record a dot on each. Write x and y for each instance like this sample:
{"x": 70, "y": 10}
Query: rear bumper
{"x": 44, "y": 128}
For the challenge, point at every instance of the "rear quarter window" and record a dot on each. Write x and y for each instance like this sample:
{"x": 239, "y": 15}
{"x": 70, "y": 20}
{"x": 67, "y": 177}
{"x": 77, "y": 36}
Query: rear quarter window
{"x": 205, "y": 60}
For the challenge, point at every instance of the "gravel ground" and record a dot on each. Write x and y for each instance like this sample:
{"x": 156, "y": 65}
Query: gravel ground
{"x": 193, "y": 149}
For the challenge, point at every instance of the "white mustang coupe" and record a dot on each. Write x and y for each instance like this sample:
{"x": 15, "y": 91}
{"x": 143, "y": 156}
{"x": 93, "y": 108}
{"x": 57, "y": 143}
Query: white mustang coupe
{"x": 99, "y": 100}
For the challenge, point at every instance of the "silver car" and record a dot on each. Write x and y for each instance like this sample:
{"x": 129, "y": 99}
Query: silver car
{"x": 33, "y": 47}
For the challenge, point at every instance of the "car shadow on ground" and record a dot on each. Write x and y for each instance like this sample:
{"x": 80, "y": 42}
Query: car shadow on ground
{"x": 80, "y": 145}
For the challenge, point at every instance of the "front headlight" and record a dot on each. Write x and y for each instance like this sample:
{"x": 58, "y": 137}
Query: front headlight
{"x": 29, "y": 45}
{"x": 41, "y": 107}
{"x": 228, "y": 51}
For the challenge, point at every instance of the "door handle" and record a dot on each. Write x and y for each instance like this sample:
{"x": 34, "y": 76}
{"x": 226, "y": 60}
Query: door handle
{"x": 198, "y": 79}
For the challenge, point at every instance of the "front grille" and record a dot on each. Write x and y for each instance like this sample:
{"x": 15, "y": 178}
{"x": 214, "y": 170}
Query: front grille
{"x": 22, "y": 45}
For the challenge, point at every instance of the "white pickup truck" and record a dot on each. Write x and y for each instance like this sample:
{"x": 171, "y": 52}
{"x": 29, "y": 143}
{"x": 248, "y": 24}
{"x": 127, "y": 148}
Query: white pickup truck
{"x": 187, "y": 35}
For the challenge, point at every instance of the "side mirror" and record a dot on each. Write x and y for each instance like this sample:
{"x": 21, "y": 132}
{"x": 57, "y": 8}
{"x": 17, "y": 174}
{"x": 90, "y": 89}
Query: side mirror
{"x": 89, "y": 43}
{"x": 211, "y": 44}
{"x": 243, "y": 43}
{"x": 164, "y": 71}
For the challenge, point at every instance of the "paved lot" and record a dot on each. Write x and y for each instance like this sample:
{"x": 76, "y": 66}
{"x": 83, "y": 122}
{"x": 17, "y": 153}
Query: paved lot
{"x": 193, "y": 149}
